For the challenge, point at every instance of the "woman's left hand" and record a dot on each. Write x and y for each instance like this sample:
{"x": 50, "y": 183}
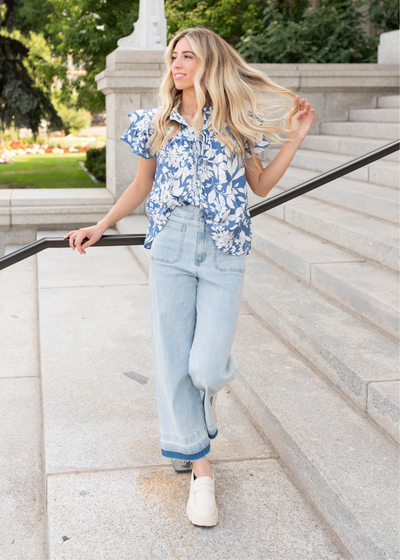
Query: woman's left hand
{"x": 301, "y": 121}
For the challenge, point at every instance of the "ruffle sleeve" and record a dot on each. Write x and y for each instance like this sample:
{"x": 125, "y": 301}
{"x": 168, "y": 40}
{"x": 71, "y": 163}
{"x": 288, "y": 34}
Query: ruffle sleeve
{"x": 139, "y": 131}
{"x": 258, "y": 145}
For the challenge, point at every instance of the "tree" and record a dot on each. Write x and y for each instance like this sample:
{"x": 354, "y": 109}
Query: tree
{"x": 228, "y": 18}
{"x": 330, "y": 33}
{"x": 23, "y": 99}
{"x": 88, "y": 30}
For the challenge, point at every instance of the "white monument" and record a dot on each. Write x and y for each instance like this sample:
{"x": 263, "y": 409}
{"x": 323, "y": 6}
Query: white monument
{"x": 389, "y": 47}
{"x": 130, "y": 81}
{"x": 150, "y": 30}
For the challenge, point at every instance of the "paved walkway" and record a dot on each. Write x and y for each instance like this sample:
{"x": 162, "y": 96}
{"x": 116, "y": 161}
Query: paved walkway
{"x": 82, "y": 474}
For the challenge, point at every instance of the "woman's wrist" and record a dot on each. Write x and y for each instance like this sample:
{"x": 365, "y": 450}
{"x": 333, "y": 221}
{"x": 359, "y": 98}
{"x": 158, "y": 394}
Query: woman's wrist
{"x": 102, "y": 224}
{"x": 294, "y": 139}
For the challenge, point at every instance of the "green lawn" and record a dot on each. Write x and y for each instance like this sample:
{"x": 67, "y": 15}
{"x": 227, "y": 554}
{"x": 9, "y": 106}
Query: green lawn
{"x": 47, "y": 171}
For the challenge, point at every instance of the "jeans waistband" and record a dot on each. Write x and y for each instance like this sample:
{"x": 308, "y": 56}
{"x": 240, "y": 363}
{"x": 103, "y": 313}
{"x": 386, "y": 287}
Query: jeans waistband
{"x": 189, "y": 211}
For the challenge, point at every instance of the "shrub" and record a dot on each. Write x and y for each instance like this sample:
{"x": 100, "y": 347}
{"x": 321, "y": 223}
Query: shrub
{"x": 96, "y": 163}
{"x": 330, "y": 33}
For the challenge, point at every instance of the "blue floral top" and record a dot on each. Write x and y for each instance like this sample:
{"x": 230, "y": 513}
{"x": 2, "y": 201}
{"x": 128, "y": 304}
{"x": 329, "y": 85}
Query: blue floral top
{"x": 199, "y": 172}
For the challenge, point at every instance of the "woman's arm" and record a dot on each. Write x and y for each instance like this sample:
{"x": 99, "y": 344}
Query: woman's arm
{"x": 263, "y": 179}
{"x": 134, "y": 195}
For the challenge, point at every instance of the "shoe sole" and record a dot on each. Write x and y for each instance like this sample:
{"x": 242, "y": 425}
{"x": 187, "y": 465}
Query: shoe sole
{"x": 201, "y": 521}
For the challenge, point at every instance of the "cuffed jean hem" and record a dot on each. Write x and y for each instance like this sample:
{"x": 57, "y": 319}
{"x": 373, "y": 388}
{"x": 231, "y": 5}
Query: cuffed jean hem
{"x": 214, "y": 435}
{"x": 184, "y": 457}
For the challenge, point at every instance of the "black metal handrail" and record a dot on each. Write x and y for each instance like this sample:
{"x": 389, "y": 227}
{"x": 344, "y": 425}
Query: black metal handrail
{"x": 138, "y": 239}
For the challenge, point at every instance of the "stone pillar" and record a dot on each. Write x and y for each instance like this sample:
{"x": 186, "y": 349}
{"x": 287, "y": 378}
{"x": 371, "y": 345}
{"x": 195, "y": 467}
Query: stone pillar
{"x": 388, "y": 48}
{"x": 129, "y": 82}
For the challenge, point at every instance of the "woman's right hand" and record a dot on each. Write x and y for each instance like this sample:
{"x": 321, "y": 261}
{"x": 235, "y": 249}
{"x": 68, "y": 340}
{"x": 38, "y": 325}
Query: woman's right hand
{"x": 76, "y": 237}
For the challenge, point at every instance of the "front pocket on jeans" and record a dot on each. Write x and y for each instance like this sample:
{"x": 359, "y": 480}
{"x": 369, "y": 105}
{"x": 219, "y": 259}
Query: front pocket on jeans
{"x": 226, "y": 262}
{"x": 168, "y": 243}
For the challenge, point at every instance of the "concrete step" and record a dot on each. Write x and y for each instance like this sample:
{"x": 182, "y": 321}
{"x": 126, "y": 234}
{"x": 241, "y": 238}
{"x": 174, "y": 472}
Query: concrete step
{"x": 53, "y": 207}
{"x": 338, "y": 360}
{"x": 376, "y": 115}
{"x": 22, "y": 511}
{"x": 18, "y": 312}
{"x": 346, "y": 467}
{"x": 345, "y": 145}
{"x": 320, "y": 435}
{"x": 141, "y": 514}
{"x": 380, "y": 172}
{"x": 349, "y": 352}
{"x": 368, "y": 237}
{"x": 388, "y": 101}
{"x": 102, "y": 435}
{"x": 359, "y": 286}
{"x": 361, "y": 129}
{"x": 366, "y": 198}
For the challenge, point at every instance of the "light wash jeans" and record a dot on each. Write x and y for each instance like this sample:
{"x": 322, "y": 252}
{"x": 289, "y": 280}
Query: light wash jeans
{"x": 195, "y": 295}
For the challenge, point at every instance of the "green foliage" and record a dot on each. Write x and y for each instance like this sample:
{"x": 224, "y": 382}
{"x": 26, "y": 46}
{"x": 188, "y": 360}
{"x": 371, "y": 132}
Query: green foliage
{"x": 26, "y": 15}
{"x": 96, "y": 163}
{"x": 21, "y": 101}
{"x": 24, "y": 91}
{"x": 221, "y": 16}
{"x": 331, "y": 33}
{"x": 89, "y": 31}
{"x": 384, "y": 14}
{"x": 73, "y": 119}
{"x": 41, "y": 65}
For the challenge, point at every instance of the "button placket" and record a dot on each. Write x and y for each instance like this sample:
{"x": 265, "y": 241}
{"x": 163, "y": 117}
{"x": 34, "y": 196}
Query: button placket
{"x": 196, "y": 149}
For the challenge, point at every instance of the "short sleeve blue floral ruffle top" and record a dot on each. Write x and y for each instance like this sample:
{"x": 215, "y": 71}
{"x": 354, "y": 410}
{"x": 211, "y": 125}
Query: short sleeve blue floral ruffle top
{"x": 199, "y": 172}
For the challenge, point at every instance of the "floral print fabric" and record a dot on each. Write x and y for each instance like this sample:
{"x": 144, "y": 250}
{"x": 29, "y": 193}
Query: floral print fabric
{"x": 199, "y": 172}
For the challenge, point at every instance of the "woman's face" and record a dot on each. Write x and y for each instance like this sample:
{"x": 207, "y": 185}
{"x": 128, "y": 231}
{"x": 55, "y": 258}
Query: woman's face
{"x": 183, "y": 64}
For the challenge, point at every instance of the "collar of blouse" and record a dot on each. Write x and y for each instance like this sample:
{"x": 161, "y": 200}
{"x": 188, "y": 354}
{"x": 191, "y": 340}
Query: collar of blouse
{"x": 202, "y": 148}
{"x": 176, "y": 116}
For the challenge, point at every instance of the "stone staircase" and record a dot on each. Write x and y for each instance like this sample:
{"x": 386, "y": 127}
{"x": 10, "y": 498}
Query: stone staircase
{"x": 318, "y": 371}
{"x": 324, "y": 279}
{"x": 306, "y": 463}
{"x": 82, "y": 475}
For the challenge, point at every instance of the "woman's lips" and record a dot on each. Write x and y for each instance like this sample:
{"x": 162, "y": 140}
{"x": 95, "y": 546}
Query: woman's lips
{"x": 179, "y": 77}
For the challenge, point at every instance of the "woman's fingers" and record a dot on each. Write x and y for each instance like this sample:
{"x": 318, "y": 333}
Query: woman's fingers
{"x": 76, "y": 237}
{"x": 71, "y": 236}
{"x": 71, "y": 241}
{"x": 78, "y": 242}
{"x": 88, "y": 243}
{"x": 304, "y": 107}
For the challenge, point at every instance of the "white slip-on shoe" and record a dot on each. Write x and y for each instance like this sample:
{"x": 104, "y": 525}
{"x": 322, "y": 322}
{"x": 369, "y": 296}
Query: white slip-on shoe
{"x": 201, "y": 508}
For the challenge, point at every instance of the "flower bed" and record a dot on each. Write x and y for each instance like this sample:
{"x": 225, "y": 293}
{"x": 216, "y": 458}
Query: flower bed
{"x": 18, "y": 148}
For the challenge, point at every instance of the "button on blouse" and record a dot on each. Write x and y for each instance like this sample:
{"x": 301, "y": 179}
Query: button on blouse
{"x": 200, "y": 172}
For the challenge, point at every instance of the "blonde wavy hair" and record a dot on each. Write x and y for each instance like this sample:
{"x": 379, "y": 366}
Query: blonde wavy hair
{"x": 231, "y": 85}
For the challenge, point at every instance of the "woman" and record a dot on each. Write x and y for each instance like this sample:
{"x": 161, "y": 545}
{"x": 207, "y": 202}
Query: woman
{"x": 198, "y": 150}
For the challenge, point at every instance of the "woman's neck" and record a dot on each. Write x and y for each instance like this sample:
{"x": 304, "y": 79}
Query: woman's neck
{"x": 188, "y": 104}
